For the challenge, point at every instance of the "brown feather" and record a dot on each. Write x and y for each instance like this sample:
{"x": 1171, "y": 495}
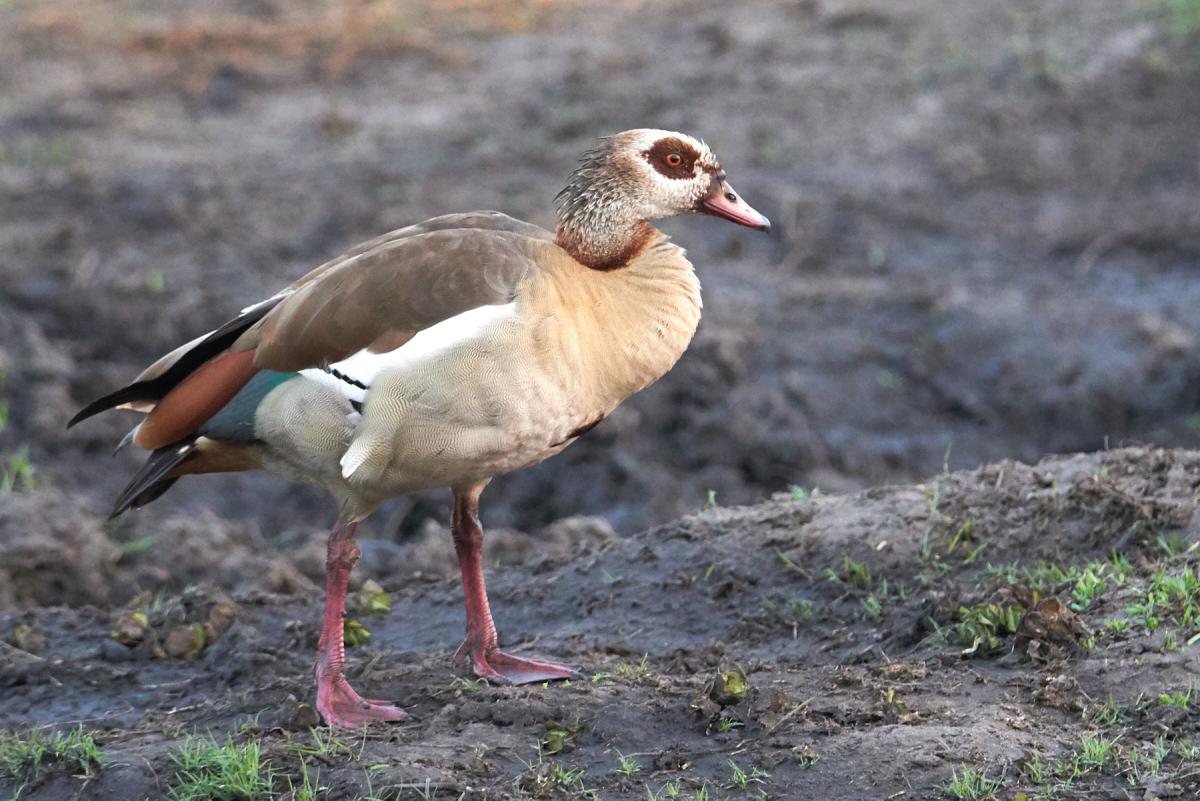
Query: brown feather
{"x": 403, "y": 285}
{"x": 214, "y": 456}
{"x": 630, "y": 250}
{"x": 466, "y": 221}
{"x": 195, "y": 399}
{"x": 390, "y": 340}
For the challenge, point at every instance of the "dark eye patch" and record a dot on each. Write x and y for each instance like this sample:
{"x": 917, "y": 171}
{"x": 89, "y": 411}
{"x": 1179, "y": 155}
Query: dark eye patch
{"x": 659, "y": 152}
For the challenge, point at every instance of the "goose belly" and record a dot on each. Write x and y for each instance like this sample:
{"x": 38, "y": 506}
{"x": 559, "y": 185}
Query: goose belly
{"x": 473, "y": 431}
{"x": 488, "y": 406}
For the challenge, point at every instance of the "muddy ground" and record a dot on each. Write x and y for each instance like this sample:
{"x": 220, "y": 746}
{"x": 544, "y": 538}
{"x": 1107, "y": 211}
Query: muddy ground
{"x": 985, "y": 244}
{"x": 993, "y": 620}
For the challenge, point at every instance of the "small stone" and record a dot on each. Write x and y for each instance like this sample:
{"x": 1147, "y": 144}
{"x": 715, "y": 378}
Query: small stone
{"x": 130, "y": 628}
{"x": 27, "y": 638}
{"x": 113, "y": 651}
{"x": 220, "y": 618}
{"x": 729, "y": 688}
{"x": 305, "y": 717}
{"x": 1050, "y": 622}
{"x": 185, "y": 642}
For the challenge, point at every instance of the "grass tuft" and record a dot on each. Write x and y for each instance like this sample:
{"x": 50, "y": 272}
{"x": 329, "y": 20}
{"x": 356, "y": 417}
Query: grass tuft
{"x": 972, "y": 785}
{"x": 30, "y": 757}
{"x": 17, "y": 473}
{"x": 627, "y": 765}
{"x": 980, "y": 628}
{"x": 209, "y": 771}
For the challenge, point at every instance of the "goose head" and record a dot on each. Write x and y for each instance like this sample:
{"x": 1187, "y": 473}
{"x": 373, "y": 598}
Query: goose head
{"x": 637, "y": 176}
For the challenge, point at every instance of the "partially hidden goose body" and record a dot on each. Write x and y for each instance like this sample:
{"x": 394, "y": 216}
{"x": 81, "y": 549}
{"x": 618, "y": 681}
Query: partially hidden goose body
{"x": 441, "y": 354}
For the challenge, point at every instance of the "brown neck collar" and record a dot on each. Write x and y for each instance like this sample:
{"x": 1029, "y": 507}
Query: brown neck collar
{"x": 618, "y": 246}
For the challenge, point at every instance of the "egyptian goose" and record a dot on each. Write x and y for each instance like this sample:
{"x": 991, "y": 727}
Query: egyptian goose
{"x": 441, "y": 354}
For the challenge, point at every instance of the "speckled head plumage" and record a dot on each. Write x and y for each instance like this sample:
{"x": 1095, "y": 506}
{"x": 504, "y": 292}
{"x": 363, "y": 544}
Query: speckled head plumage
{"x": 632, "y": 178}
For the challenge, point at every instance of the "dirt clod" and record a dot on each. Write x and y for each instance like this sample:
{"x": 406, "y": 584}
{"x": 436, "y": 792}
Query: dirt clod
{"x": 1049, "y": 626}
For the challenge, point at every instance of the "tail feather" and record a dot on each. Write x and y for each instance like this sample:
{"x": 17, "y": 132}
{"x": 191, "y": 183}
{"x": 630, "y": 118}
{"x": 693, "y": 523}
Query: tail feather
{"x": 154, "y": 478}
{"x": 155, "y": 389}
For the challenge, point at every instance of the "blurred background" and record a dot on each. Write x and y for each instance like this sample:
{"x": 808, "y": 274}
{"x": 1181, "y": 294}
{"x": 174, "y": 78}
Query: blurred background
{"x": 986, "y": 241}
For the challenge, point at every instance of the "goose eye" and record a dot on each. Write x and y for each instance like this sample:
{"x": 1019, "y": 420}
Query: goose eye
{"x": 673, "y": 160}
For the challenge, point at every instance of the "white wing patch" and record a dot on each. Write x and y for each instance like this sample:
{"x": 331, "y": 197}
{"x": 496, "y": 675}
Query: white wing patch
{"x": 442, "y": 336}
{"x": 354, "y": 374}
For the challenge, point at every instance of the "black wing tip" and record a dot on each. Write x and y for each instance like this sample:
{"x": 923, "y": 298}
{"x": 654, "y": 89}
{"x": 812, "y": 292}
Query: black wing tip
{"x": 133, "y": 392}
{"x": 153, "y": 479}
{"x": 90, "y": 410}
{"x": 82, "y": 415}
{"x": 124, "y": 504}
{"x": 150, "y": 493}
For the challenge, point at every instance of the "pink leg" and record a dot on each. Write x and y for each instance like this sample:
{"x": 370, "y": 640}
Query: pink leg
{"x": 337, "y": 701}
{"x": 481, "y": 644}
